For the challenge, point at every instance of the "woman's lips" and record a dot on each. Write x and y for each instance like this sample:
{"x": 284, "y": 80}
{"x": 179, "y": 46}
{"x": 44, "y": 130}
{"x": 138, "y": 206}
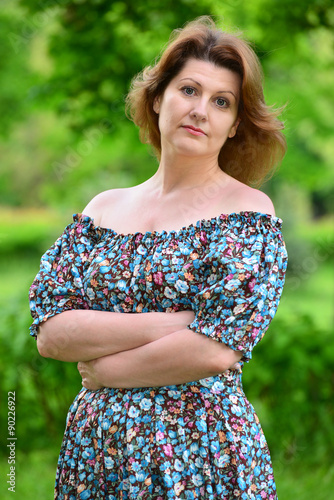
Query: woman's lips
{"x": 193, "y": 130}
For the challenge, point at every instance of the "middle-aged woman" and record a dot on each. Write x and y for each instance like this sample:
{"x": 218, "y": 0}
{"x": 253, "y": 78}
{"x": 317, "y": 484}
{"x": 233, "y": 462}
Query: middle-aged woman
{"x": 161, "y": 291}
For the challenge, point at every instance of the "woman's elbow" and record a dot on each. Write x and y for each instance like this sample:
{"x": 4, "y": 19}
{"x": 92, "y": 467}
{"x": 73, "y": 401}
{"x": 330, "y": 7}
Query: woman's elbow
{"x": 50, "y": 339}
{"x": 42, "y": 343}
{"x": 49, "y": 343}
{"x": 52, "y": 342}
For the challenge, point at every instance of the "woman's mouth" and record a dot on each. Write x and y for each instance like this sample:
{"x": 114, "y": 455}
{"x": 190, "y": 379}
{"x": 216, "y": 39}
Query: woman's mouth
{"x": 193, "y": 130}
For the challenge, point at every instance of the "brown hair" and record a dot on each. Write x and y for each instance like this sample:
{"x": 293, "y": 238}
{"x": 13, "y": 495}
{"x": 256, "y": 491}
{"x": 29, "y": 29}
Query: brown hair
{"x": 259, "y": 145}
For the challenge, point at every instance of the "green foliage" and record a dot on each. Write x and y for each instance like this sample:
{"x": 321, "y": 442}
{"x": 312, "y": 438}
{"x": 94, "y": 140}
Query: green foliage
{"x": 24, "y": 232}
{"x": 35, "y": 475}
{"x": 83, "y": 56}
{"x": 290, "y": 382}
{"x": 98, "y": 48}
{"x": 16, "y": 77}
{"x": 42, "y": 397}
{"x": 304, "y": 483}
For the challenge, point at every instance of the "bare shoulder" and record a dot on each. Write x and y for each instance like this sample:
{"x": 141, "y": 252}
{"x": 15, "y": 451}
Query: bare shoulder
{"x": 252, "y": 200}
{"x": 259, "y": 201}
{"x": 101, "y": 202}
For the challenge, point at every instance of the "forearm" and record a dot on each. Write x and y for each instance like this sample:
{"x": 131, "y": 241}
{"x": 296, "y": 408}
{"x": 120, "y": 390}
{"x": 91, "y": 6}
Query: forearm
{"x": 181, "y": 357}
{"x": 82, "y": 335}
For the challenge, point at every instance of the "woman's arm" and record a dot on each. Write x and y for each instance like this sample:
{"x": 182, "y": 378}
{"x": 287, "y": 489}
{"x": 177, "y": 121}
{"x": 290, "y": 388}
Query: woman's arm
{"x": 180, "y": 357}
{"x": 82, "y": 335}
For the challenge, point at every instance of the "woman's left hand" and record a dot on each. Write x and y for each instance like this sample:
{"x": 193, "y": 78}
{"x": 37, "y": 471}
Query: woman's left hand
{"x": 89, "y": 374}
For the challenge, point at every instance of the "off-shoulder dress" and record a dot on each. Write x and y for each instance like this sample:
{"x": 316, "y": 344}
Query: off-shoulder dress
{"x": 198, "y": 440}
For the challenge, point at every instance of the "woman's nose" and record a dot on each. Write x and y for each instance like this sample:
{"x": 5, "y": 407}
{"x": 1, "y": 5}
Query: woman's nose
{"x": 199, "y": 111}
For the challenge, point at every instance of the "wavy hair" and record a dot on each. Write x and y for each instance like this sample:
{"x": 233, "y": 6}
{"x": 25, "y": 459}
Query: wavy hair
{"x": 259, "y": 144}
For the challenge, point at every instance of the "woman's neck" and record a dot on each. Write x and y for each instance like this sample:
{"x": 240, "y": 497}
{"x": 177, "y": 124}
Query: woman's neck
{"x": 186, "y": 173}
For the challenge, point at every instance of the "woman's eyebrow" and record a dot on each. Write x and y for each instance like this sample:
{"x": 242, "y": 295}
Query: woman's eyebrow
{"x": 188, "y": 78}
{"x": 227, "y": 92}
{"x": 218, "y": 92}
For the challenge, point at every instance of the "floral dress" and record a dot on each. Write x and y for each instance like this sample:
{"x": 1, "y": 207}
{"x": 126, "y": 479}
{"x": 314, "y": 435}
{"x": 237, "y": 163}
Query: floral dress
{"x": 198, "y": 440}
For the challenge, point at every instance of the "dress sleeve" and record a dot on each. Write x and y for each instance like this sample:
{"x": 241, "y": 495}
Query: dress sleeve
{"x": 58, "y": 286}
{"x": 241, "y": 294}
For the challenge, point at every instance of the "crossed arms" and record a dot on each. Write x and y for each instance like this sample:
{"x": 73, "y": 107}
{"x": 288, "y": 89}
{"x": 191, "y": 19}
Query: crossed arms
{"x": 125, "y": 350}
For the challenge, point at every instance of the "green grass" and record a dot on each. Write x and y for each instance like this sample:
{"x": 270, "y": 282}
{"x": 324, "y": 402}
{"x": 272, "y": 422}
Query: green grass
{"x": 35, "y": 474}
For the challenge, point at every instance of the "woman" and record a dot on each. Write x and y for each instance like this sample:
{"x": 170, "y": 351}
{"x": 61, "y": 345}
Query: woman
{"x": 162, "y": 413}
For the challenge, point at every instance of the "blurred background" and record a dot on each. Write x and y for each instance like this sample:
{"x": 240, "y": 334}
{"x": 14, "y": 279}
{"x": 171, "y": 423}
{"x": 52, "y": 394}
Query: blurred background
{"x": 65, "y": 67}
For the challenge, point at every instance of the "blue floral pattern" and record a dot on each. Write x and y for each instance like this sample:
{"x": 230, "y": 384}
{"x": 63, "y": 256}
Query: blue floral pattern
{"x": 195, "y": 440}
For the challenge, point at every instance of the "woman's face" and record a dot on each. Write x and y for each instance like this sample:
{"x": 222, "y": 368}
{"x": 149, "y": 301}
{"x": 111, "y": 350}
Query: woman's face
{"x": 198, "y": 111}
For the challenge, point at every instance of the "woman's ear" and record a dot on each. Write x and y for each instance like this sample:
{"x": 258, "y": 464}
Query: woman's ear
{"x": 156, "y": 105}
{"x": 234, "y": 128}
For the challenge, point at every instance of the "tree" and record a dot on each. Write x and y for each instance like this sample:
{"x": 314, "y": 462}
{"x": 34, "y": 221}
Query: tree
{"x": 100, "y": 45}
{"x": 96, "y": 46}
{"x": 16, "y": 77}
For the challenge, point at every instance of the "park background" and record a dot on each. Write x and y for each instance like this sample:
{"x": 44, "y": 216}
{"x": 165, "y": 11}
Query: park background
{"x": 65, "y": 67}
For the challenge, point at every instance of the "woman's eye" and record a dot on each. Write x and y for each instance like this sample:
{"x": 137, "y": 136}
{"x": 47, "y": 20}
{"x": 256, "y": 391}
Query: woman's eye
{"x": 221, "y": 102}
{"x": 188, "y": 91}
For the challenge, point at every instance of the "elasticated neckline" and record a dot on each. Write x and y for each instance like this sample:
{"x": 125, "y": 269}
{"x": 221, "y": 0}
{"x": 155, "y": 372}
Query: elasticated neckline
{"x": 248, "y": 218}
